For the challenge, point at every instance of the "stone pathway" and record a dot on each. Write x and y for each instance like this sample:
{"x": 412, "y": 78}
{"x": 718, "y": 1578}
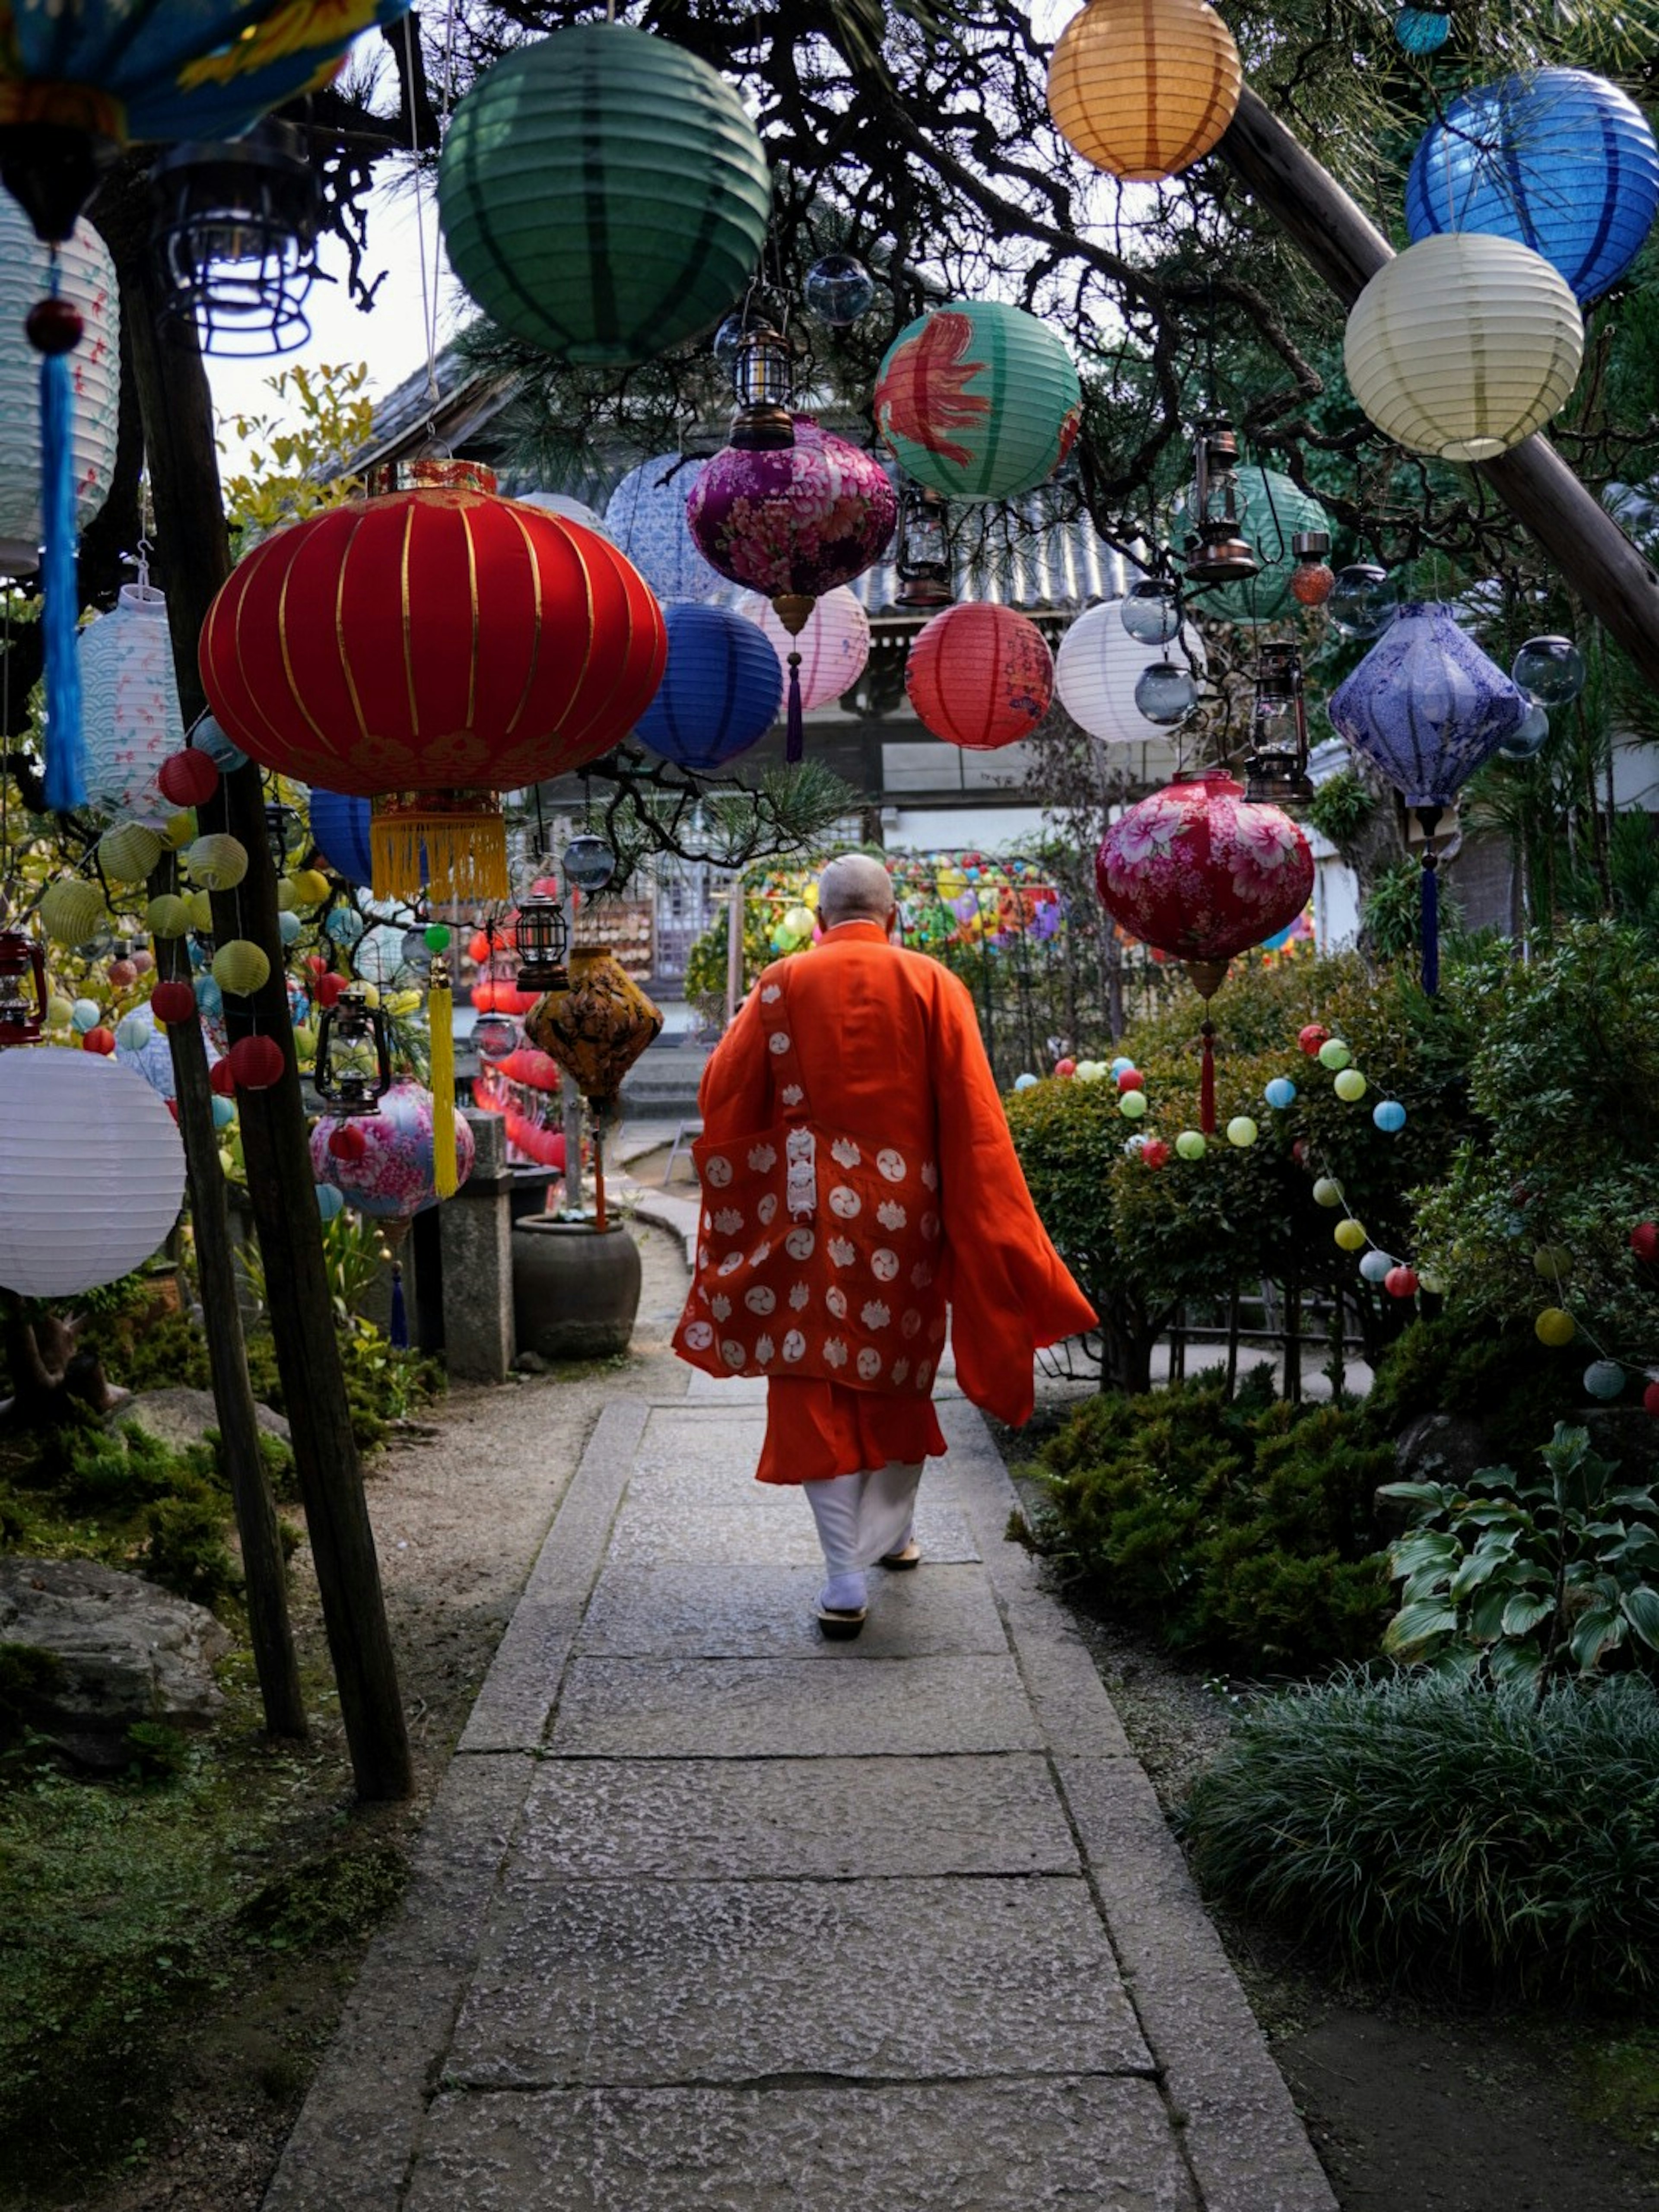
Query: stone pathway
{"x": 710, "y": 1913}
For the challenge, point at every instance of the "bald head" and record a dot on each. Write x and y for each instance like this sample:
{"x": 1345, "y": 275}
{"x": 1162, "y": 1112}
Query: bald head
{"x": 854, "y": 888}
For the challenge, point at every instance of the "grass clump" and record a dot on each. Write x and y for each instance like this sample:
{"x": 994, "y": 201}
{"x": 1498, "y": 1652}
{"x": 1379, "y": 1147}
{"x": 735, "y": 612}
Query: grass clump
{"x": 1435, "y": 1833}
{"x": 1239, "y": 1531}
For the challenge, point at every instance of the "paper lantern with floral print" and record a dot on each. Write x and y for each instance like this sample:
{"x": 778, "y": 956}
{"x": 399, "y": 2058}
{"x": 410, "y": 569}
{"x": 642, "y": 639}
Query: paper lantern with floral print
{"x": 645, "y": 517}
{"x": 92, "y": 1172}
{"x": 978, "y": 400}
{"x": 721, "y": 691}
{"x": 1144, "y": 87}
{"x": 1426, "y": 706}
{"x": 1556, "y": 158}
{"x": 130, "y": 702}
{"x": 428, "y": 649}
{"x": 834, "y": 646}
{"x": 603, "y": 194}
{"x": 87, "y": 276}
{"x": 979, "y": 676}
{"x": 1463, "y": 345}
{"x": 1099, "y": 665}
{"x": 391, "y": 1177}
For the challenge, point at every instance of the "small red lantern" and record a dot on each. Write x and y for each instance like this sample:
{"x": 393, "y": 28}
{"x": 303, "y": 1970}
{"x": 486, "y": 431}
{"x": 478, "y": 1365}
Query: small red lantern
{"x": 98, "y": 1040}
{"x": 1401, "y": 1282}
{"x": 346, "y": 1141}
{"x": 429, "y": 648}
{"x": 188, "y": 778}
{"x": 979, "y": 676}
{"x": 1312, "y": 1038}
{"x": 172, "y": 1003}
{"x": 255, "y": 1063}
{"x": 1132, "y": 1080}
{"x": 328, "y": 989}
{"x": 1155, "y": 1152}
{"x": 1645, "y": 1239}
{"x": 220, "y": 1081}
{"x": 1065, "y": 1067}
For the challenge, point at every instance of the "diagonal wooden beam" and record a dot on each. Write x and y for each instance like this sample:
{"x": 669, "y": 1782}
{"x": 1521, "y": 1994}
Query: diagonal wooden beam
{"x": 1617, "y": 585}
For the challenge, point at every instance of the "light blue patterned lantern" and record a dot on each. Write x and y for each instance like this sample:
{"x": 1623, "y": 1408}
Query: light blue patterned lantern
{"x": 1426, "y": 707}
{"x": 645, "y": 520}
{"x": 1557, "y": 160}
{"x": 721, "y": 691}
{"x": 129, "y": 700}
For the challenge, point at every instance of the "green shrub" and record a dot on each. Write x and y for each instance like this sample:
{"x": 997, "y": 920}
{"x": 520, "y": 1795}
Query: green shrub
{"x": 187, "y": 1552}
{"x": 1515, "y": 1387}
{"x": 1528, "y": 1579}
{"x": 1239, "y": 1532}
{"x": 1434, "y": 1833}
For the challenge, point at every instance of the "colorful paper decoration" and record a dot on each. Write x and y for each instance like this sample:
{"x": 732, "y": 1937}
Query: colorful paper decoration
{"x": 1144, "y": 87}
{"x": 979, "y": 676}
{"x": 1273, "y": 510}
{"x": 92, "y": 1172}
{"x": 87, "y": 276}
{"x": 1426, "y": 706}
{"x": 834, "y": 646}
{"x": 1098, "y": 666}
{"x": 392, "y": 1179}
{"x": 429, "y": 648}
{"x": 597, "y": 1025}
{"x": 645, "y": 518}
{"x": 1557, "y": 160}
{"x": 603, "y": 194}
{"x": 978, "y": 400}
{"x": 1462, "y": 346}
{"x": 721, "y": 690}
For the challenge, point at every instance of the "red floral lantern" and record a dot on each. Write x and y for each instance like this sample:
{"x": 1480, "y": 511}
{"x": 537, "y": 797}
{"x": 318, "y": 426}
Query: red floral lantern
{"x": 1198, "y": 872}
{"x": 427, "y": 649}
{"x": 979, "y": 676}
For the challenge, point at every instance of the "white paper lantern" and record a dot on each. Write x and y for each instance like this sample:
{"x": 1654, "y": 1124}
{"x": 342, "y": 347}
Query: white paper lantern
{"x": 87, "y": 280}
{"x": 568, "y": 510}
{"x": 92, "y": 1172}
{"x": 130, "y": 705}
{"x": 1098, "y": 666}
{"x": 834, "y": 646}
{"x": 645, "y": 518}
{"x": 1463, "y": 345}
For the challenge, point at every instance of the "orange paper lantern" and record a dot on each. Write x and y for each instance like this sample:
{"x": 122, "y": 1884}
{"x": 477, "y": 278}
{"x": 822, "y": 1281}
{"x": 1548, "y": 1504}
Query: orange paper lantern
{"x": 1144, "y": 87}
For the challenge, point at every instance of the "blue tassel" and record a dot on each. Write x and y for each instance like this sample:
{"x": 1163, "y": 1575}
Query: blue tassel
{"x": 795, "y": 740}
{"x": 399, "y": 1310}
{"x": 1430, "y": 923}
{"x": 66, "y": 784}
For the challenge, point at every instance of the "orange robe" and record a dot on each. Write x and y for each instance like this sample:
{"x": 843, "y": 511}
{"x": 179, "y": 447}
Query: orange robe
{"x": 890, "y": 1051}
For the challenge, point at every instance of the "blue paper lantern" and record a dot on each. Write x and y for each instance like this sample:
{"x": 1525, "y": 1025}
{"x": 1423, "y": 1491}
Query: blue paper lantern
{"x": 1557, "y": 160}
{"x": 1426, "y": 706}
{"x": 1389, "y": 1116}
{"x": 720, "y": 692}
{"x": 645, "y": 517}
{"x": 339, "y": 829}
{"x": 1280, "y": 1093}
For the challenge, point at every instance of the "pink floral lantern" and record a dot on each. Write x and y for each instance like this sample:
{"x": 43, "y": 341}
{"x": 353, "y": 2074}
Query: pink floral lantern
{"x": 979, "y": 676}
{"x": 832, "y": 646}
{"x": 1198, "y": 872}
{"x": 792, "y": 522}
{"x": 391, "y": 1177}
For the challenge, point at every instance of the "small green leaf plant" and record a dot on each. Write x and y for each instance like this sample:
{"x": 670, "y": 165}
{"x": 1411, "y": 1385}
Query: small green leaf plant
{"x": 1516, "y": 1580}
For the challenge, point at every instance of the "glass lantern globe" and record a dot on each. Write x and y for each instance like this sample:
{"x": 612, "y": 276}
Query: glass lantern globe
{"x": 589, "y": 862}
{"x": 1550, "y": 670}
{"x": 494, "y": 1035}
{"x": 738, "y": 325}
{"x": 1166, "y": 694}
{"x": 1363, "y": 600}
{"x": 838, "y": 290}
{"x": 1422, "y": 30}
{"x": 1151, "y": 611}
{"x": 1529, "y": 739}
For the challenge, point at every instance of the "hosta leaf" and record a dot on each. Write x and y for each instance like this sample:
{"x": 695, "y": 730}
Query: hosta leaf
{"x": 1436, "y": 1494}
{"x": 1524, "y": 1611}
{"x": 1640, "y": 1606}
{"x": 1478, "y": 1568}
{"x": 1413, "y": 1625}
{"x": 1595, "y": 1632}
{"x": 1516, "y": 1663}
{"x": 1430, "y": 1548}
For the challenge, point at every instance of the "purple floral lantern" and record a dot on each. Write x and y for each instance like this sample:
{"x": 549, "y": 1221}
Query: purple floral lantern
{"x": 793, "y": 522}
{"x": 1427, "y": 707}
{"x": 391, "y": 1177}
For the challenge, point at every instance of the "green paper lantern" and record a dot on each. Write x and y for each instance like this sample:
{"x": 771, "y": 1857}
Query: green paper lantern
{"x": 978, "y": 400}
{"x": 603, "y": 194}
{"x": 1271, "y": 510}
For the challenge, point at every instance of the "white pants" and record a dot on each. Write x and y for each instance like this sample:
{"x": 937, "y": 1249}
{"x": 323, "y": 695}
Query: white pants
{"x": 860, "y": 1519}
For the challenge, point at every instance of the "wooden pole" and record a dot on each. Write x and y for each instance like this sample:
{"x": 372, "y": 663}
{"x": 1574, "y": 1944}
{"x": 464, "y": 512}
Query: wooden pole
{"x": 177, "y": 413}
{"x": 274, "y": 1659}
{"x": 1615, "y": 582}
{"x": 734, "y": 950}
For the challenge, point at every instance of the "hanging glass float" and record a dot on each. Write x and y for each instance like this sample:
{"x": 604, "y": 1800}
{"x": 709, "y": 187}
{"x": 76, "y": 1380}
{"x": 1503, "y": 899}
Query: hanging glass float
{"x": 1100, "y": 663}
{"x": 479, "y": 647}
{"x": 589, "y": 863}
{"x": 721, "y": 690}
{"x": 1151, "y": 610}
{"x": 839, "y": 290}
{"x": 1530, "y": 739}
{"x": 1463, "y": 345}
{"x": 1363, "y": 599}
{"x": 979, "y": 676}
{"x": 1143, "y": 92}
{"x": 793, "y": 523}
{"x": 1550, "y": 670}
{"x": 645, "y": 517}
{"x": 978, "y": 400}
{"x": 234, "y": 236}
{"x": 1165, "y": 694}
{"x": 1426, "y": 708}
{"x": 1555, "y": 160}
{"x": 1422, "y": 30}
{"x": 603, "y": 194}
{"x": 1201, "y": 874}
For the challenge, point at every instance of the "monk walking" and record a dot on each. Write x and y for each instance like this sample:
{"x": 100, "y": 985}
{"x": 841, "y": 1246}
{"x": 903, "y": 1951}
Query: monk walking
{"x": 858, "y": 1178}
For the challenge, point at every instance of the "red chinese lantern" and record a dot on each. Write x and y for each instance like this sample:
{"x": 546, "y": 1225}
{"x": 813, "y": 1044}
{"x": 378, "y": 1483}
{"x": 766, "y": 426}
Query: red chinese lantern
{"x": 979, "y": 676}
{"x": 255, "y": 1063}
{"x": 172, "y": 1003}
{"x": 428, "y": 649}
{"x": 1198, "y": 871}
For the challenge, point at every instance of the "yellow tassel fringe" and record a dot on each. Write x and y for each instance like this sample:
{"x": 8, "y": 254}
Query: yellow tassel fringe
{"x": 441, "y": 1014}
{"x": 465, "y": 857}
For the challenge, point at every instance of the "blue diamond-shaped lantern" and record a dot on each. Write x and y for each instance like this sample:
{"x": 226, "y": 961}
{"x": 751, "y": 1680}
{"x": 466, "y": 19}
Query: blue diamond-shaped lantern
{"x": 1426, "y": 706}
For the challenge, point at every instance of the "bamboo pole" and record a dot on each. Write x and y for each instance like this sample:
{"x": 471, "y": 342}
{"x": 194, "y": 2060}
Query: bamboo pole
{"x": 1616, "y": 584}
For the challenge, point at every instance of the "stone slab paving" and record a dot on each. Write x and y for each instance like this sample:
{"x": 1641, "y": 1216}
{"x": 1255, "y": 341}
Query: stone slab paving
{"x": 708, "y": 1913}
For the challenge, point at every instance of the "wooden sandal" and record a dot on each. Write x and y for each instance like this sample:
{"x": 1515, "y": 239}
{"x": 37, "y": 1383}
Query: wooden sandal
{"x": 840, "y": 1623}
{"x": 899, "y": 1563}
